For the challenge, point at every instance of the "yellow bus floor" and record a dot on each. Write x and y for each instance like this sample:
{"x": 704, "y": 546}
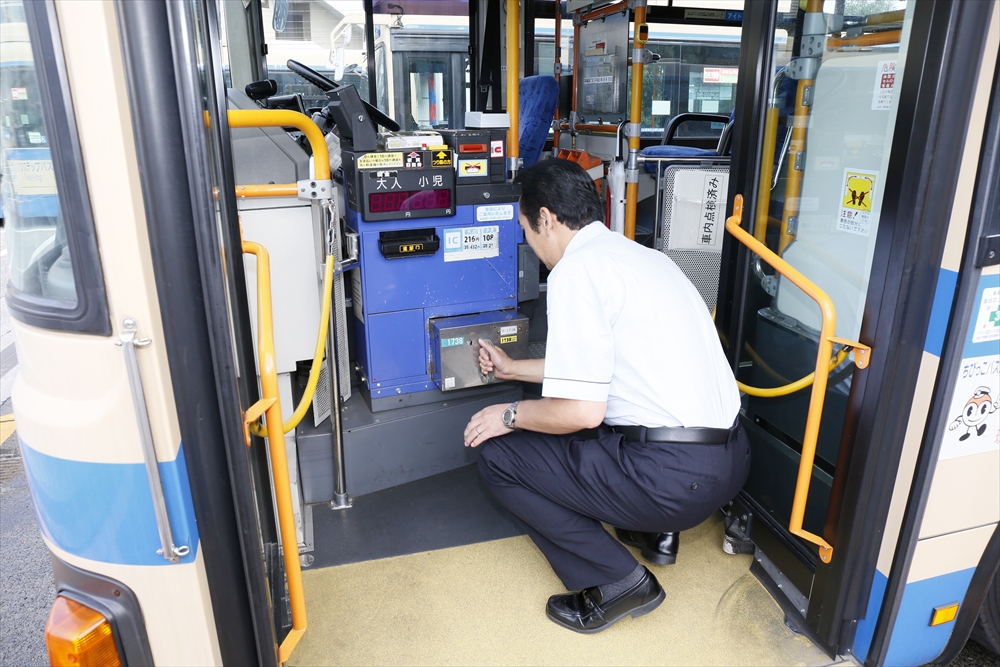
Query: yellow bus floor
{"x": 484, "y": 604}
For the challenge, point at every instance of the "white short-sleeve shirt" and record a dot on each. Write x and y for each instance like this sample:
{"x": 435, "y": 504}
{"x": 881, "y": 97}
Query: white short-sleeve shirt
{"x": 626, "y": 326}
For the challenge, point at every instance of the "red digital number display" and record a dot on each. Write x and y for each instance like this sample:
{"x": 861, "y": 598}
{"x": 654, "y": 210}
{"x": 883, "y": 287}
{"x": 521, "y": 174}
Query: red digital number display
{"x": 409, "y": 200}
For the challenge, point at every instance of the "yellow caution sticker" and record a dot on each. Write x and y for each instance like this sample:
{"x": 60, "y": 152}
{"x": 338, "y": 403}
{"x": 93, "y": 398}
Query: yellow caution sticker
{"x": 857, "y": 201}
{"x": 441, "y": 158}
{"x": 380, "y": 160}
{"x": 508, "y": 339}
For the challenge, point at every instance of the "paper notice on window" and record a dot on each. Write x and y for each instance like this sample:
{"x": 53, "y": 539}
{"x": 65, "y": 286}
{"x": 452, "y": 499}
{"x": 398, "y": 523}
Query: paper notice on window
{"x": 885, "y": 83}
{"x": 698, "y": 210}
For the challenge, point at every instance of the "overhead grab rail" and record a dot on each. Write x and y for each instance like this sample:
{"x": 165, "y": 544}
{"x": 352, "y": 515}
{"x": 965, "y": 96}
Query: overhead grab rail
{"x": 862, "y": 356}
{"x": 270, "y": 407}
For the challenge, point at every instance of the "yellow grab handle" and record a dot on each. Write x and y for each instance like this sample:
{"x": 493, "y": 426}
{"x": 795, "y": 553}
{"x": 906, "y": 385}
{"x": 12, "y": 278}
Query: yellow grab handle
{"x": 276, "y": 446}
{"x": 827, "y": 338}
{"x": 791, "y": 387}
{"x": 285, "y": 118}
{"x": 317, "y": 362}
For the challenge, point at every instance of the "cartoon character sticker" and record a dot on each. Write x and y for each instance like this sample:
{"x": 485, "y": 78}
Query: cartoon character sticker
{"x": 974, "y": 413}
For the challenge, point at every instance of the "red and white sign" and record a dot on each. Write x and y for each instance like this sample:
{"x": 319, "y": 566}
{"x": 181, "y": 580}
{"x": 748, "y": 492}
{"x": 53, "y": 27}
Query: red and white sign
{"x": 720, "y": 75}
{"x": 885, "y": 82}
{"x": 18, "y": 93}
{"x": 496, "y": 148}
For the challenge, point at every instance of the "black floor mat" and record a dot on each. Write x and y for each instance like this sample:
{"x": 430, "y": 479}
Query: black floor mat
{"x": 446, "y": 510}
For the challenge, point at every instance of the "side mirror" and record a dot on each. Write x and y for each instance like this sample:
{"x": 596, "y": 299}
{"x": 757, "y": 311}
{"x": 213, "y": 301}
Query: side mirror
{"x": 280, "y": 15}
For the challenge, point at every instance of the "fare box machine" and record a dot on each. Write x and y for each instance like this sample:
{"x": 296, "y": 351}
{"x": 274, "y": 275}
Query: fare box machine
{"x": 438, "y": 270}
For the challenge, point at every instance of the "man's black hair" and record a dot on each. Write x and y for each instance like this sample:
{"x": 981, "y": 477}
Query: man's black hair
{"x": 564, "y": 188}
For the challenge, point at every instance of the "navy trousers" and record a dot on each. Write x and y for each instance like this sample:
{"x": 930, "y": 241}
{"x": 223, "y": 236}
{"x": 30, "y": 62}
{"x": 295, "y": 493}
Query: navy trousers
{"x": 563, "y": 486}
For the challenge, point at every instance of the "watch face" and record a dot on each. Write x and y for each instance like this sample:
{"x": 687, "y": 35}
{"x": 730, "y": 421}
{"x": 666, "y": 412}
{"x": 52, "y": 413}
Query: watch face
{"x": 508, "y": 418}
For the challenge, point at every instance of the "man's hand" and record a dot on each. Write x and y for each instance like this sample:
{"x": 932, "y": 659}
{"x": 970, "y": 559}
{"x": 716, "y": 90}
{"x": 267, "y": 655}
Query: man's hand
{"x": 492, "y": 358}
{"x": 486, "y": 424}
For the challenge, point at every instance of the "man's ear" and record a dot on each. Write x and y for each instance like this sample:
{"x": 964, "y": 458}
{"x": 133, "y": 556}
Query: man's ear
{"x": 546, "y": 220}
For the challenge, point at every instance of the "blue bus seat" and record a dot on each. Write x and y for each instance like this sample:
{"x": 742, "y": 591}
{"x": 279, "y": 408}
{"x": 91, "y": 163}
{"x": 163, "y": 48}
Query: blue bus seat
{"x": 539, "y": 95}
{"x": 667, "y": 149}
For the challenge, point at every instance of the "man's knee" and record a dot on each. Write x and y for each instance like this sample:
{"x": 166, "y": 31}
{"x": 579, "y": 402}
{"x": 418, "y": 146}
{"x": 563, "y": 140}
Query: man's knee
{"x": 494, "y": 460}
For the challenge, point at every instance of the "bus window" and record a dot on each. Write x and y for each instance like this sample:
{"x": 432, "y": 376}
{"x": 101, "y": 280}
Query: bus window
{"x": 697, "y": 73}
{"x": 55, "y": 272}
{"x": 40, "y": 262}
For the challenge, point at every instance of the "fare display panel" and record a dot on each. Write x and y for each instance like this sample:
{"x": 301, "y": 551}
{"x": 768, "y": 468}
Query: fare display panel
{"x": 401, "y": 185}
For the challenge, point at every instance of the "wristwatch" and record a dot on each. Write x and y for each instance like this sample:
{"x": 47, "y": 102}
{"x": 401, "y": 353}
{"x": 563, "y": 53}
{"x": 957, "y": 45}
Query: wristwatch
{"x": 510, "y": 414}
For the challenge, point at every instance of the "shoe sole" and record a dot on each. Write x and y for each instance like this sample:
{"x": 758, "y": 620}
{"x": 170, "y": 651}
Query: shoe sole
{"x": 654, "y": 557}
{"x": 641, "y": 610}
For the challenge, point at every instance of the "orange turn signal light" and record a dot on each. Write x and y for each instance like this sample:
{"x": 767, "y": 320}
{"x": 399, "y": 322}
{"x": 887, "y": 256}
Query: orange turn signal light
{"x": 78, "y": 636}
{"x": 944, "y": 614}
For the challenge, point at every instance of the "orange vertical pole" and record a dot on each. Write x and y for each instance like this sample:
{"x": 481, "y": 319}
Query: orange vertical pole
{"x": 513, "y": 80}
{"x": 635, "y": 118}
{"x": 557, "y": 71}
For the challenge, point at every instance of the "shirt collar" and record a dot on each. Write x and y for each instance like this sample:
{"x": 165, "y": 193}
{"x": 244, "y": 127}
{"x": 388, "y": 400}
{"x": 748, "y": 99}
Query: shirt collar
{"x": 593, "y": 230}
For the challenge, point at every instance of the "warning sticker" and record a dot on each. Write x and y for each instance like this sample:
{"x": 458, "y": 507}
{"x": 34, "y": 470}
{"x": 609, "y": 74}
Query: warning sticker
{"x": 496, "y": 148}
{"x": 441, "y": 159}
{"x": 885, "y": 82}
{"x": 464, "y": 243}
{"x": 987, "y": 327}
{"x": 473, "y": 168}
{"x": 18, "y": 93}
{"x": 857, "y": 201}
{"x": 380, "y": 160}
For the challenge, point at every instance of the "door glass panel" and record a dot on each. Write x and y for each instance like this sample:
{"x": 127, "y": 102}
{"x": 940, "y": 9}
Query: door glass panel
{"x": 428, "y": 91}
{"x": 823, "y": 171}
{"x": 40, "y": 262}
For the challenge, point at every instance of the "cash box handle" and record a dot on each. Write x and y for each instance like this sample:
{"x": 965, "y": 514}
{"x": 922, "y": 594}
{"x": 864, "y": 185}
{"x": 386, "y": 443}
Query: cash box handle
{"x": 409, "y": 243}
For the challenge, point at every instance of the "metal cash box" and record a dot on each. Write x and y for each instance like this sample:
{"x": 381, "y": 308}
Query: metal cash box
{"x": 455, "y": 341}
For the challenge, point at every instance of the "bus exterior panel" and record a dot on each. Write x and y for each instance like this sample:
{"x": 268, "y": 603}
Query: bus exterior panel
{"x": 77, "y": 423}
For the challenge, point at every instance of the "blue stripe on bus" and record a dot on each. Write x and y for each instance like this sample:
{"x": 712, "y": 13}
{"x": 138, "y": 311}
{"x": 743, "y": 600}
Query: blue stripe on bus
{"x": 866, "y": 626}
{"x": 104, "y": 511}
{"x": 944, "y": 296}
{"x": 914, "y": 641}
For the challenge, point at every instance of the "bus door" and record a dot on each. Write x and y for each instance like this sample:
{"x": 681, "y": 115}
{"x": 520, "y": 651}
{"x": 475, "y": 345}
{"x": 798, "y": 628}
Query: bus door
{"x": 822, "y": 141}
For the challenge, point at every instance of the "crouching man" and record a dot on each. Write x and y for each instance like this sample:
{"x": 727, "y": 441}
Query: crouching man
{"x": 637, "y": 425}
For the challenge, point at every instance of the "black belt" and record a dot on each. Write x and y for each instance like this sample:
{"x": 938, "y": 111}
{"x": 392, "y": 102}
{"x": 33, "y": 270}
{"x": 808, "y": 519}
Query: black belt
{"x": 679, "y": 434}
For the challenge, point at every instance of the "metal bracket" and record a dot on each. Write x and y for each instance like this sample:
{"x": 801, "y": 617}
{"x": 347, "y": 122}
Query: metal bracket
{"x": 557, "y": 69}
{"x": 793, "y": 225}
{"x": 632, "y": 129}
{"x": 814, "y": 23}
{"x": 807, "y": 96}
{"x": 128, "y": 342}
{"x": 812, "y": 46}
{"x": 644, "y": 56}
{"x": 862, "y": 352}
{"x": 803, "y": 68}
{"x": 800, "y": 161}
{"x": 310, "y": 189}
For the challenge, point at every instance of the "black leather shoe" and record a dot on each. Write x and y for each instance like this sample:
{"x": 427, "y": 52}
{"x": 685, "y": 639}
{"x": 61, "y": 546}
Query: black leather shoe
{"x": 587, "y": 612}
{"x": 658, "y": 548}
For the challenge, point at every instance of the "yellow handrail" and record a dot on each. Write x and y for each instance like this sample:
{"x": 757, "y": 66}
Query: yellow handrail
{"x": 267, "y": 190}
{"x": 827, "y": 338}
{"x": 791, "y": 387}
{"x": 317, "y": 362}
{"x": 285, "y": 118}
{"x": 276, "y": 445}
